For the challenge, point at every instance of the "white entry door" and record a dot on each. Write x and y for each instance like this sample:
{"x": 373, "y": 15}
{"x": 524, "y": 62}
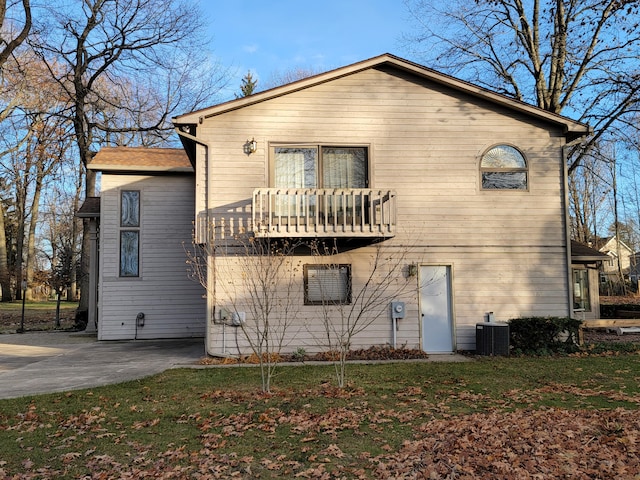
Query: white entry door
{"x": 436, "y": 308}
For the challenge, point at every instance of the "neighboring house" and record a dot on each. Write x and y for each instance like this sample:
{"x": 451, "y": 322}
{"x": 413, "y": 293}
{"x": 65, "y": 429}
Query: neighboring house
{"x": 618, "y": 253}
{"x": 463, "y": 187}
{"x": 634, "y": 270}
{"x": 145, "y": 220}
{"x": 586, "y": 264}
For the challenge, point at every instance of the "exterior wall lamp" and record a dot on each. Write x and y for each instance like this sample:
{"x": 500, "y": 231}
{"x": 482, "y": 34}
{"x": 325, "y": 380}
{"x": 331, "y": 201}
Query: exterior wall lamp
{"x": 412, "y": 269}
{"x": 250, "y": 146}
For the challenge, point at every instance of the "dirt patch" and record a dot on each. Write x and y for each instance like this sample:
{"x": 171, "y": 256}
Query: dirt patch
{"x": 629, "y": 300}
{"x": 36, "y": 319}
{"x": 604, "y": 336}
{"x": 601, "y": 335}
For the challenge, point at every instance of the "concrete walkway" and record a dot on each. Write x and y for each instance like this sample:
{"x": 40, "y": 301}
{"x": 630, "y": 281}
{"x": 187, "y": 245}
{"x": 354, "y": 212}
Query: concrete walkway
{"x": 34, "y": 363}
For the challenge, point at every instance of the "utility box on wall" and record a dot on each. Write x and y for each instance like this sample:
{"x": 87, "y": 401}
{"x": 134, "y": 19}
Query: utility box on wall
{"x": 492, "y": 338}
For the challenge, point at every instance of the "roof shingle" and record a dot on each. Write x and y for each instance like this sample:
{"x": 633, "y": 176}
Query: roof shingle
{"x": 141, "y": 159}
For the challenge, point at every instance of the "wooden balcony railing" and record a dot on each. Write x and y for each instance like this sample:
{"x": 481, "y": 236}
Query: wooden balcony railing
{"x": 329, "y": 212}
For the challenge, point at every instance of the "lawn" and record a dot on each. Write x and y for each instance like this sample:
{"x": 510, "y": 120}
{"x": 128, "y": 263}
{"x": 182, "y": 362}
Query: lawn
{"x": 37, "y": 315}
{"x": 502, "y": 418}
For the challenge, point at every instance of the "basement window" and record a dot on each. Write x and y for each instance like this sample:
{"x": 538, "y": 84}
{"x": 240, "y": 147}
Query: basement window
{"x": 503, "y": 167}
{"x": 327, "y": 284}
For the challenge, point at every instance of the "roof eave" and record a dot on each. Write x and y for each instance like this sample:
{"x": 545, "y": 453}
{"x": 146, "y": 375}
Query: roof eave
{"x": 571, "y": 129}
{"x": 199, "y": 116}
{"x": 588, "y": 258}
{"x": 137, "y": 168}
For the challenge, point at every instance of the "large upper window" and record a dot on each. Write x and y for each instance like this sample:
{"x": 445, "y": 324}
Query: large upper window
{"x": 317, "y": 166}
{"x": 129, "y": 233}
{"x": 503, "y": 167}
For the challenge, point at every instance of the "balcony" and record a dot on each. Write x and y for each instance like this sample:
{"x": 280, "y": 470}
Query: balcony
{"x": 317, "y": 212}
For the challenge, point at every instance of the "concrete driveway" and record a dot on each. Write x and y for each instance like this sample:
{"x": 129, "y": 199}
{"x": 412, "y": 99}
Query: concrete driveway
{"x": 33, "y": 363}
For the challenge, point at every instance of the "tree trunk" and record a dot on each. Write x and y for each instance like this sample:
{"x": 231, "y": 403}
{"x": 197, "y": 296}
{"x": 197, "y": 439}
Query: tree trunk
{"x": 73, "y": 277}
{"x": 19, "y": 272}
{"x": 85, "y": 261}
{"x": 59, "y": 297}
{"x": 31, "y": 240}
{"x": 5, "y": 275}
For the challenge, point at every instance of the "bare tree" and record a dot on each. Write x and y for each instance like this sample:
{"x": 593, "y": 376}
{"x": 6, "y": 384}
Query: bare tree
{"x": 5, "y": 274}
{"x": 575, "y": 56}
{"x": 62, "y": 247}
{"x": 33, "y": 144}
{"x": 278, "y": 78}
{"x": 588, "y": 199}
{"x": 255, "y": 286}
{"x": 125, "y": 66}
{"x": 369, "y": 298}
{"x": 20, "y": 17}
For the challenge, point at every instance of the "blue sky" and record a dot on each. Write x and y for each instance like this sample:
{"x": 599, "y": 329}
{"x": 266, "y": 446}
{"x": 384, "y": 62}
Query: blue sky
{"x": 268, "y": 37}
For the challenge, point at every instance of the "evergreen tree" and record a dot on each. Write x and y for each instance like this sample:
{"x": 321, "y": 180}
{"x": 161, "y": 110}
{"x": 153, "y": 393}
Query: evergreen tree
{"x": 248, "y": 86}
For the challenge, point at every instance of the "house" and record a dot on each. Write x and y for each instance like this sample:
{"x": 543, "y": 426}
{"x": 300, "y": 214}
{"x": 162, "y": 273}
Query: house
{"x": 462, "y": 190}
{"x": 144, "y": 218}
{"x": 620, "y": 259}
{"x": 634, "y": 270}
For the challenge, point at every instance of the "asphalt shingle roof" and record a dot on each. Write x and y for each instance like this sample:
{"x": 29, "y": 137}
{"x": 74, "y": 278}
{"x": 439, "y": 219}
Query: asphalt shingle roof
{"x": 141, "y": 159}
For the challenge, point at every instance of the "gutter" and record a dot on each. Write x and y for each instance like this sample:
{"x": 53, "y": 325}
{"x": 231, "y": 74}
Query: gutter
{"x": 207, "y": 147}
{"x": 211, "y": 285}
{"x": 567, "y": 219}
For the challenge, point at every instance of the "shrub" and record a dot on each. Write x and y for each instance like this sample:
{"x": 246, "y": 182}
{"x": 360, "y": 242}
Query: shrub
{"x": 544, "y": 335}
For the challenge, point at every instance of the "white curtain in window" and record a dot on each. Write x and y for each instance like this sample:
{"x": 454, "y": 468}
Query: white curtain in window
{"x": 294, "y": 168}
{"x": 289, "y": 170}
{"x": 344, "y": 167}
{"x": 338, "y": 169}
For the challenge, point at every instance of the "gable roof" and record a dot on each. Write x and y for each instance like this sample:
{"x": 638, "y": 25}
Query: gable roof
{"x": 610, "y": 246}
{"x": 571, "y": 128}
{"x": 584, "y": 253}
{"x": 90, "y": 208}
{"x": 141, "y": 159}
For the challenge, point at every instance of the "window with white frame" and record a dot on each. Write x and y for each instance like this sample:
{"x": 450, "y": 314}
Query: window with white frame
{"x": 504, "y": 167}
{"x": 581, "y": 295}
{"x": 317, "y": 167}
{"x": 327, "y": 284}
{"x": 129, "y": 233}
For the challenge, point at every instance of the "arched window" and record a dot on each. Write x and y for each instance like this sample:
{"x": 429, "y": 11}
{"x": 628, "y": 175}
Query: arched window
{"x": 503, "y": 167}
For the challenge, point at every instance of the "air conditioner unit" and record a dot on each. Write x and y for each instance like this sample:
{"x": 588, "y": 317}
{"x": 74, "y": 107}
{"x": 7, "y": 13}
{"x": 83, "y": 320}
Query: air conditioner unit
{"x": 492, "y": 338}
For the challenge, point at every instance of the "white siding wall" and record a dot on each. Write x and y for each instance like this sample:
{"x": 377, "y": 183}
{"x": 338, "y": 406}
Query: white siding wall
{"x": 172, "y": 303}
{"x": 507, "y": 249}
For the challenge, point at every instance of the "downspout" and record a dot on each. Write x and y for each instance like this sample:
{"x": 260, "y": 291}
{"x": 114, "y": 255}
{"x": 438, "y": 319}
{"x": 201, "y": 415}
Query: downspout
{"x": 211, "y": 284}
{"x": 567, "y": 222}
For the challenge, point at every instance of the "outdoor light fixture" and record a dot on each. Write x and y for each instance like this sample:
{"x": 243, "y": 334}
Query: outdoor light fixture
{"x": 250, "y": 146}
{"x": 412, "y": 269}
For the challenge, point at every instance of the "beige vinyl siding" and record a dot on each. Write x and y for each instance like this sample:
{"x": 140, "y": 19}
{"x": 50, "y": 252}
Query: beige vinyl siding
{"x": 306, "y": 327}
{"x": 507, "y": 248}
{"x": 484, "y": 280}
{"x": 173, "y": 304}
